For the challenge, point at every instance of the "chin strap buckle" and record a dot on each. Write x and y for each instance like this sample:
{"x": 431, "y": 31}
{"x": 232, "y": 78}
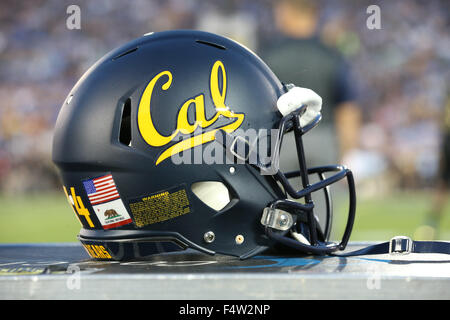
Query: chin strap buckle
{"x": 400, "y": 245}
{"x": 277, "y": 219}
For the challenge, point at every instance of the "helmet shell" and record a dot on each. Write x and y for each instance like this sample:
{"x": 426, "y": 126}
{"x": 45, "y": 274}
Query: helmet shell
{"x": 102, "y": 130}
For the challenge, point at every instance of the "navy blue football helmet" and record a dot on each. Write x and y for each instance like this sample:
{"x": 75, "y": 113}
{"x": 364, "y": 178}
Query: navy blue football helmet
{"x": 153, "y": 146}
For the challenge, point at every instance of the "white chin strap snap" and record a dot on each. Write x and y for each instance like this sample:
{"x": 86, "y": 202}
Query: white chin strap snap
{"x": 295, "y": 98}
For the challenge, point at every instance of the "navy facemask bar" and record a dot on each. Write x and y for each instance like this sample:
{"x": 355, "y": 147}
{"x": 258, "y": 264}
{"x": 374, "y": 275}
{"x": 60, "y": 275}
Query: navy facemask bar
{"x": 318, "y": 243}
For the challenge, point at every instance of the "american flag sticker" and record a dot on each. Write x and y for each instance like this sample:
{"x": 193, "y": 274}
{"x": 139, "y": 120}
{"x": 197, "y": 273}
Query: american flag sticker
{"x": 101, "y": 189}
{"x": 106, "y": 202}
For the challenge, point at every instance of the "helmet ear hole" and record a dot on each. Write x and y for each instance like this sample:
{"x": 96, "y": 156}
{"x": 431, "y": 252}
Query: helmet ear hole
{"x": 214, "y": 194}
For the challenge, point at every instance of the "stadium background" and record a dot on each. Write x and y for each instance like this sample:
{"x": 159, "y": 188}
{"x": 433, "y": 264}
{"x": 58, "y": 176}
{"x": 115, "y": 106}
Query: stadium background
{"x": 400, "y": 75}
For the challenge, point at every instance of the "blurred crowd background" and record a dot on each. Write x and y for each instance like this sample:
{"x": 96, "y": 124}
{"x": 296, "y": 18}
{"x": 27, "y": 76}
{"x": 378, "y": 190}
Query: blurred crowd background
{"x": 398, "y": 75}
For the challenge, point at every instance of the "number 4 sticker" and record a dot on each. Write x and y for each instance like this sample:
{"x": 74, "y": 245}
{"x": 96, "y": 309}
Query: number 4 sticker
{"x": 77, "y": 205}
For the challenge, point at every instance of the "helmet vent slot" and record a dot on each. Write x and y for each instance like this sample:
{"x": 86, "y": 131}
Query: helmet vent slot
{"x": 125, "y": 53}
{"x": 212, "y": 193}
{"x": 125, "y": 124}
{"x": 212, "y": 44}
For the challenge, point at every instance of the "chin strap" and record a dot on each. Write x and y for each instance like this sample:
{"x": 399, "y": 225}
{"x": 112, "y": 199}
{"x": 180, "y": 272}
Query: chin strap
{"x": 401, "y": 245}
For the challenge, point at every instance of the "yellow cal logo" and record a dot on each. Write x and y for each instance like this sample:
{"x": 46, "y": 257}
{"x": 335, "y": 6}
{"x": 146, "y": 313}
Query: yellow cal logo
{"x": 151, "y": 135}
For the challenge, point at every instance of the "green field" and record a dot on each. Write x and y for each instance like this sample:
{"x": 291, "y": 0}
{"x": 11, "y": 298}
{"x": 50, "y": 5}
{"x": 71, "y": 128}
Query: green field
{"x": 402, "y": 213}
{"x": 48, "y": 218}
{"x": 37, "y": 218}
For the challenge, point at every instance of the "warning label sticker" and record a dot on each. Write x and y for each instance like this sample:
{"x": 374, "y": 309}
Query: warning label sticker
{"x": 160, "y": 206}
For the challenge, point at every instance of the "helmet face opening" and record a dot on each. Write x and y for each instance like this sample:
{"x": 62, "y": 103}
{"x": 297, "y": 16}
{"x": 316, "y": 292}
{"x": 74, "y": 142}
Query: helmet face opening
{"x": 160, "y": 149}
